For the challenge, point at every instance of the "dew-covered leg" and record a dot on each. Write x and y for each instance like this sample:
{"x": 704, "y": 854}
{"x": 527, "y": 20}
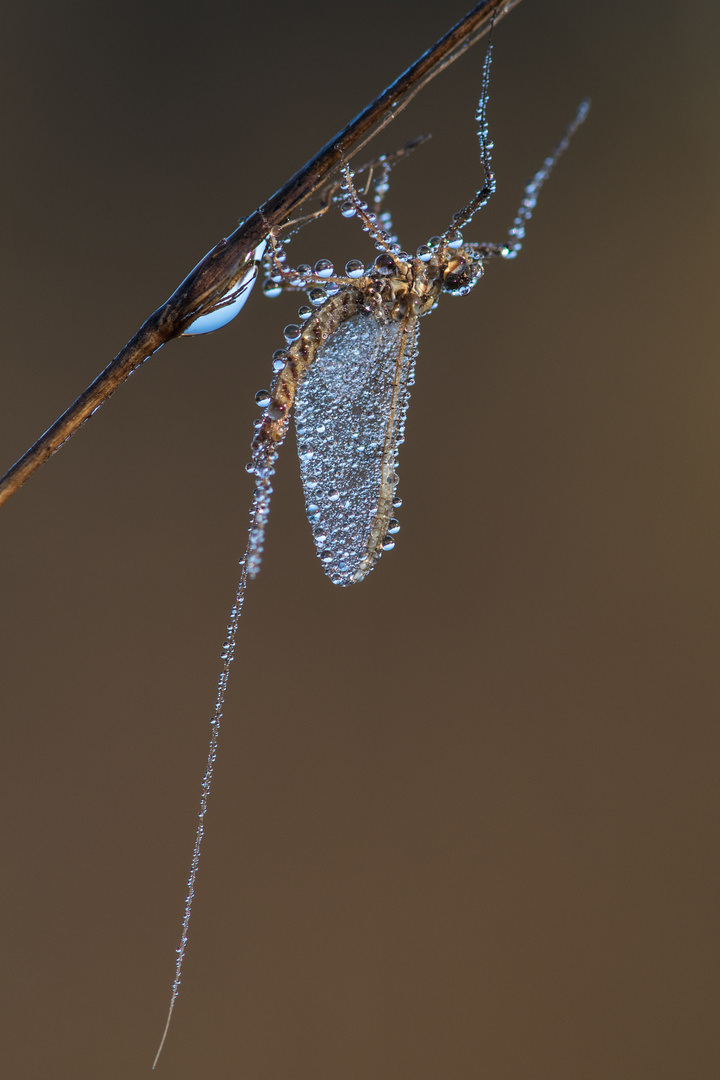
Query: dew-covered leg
{"x": 384, "y": 240}
{"x": 319, "y": 281}
{"x": 380, "y": 190}
{"x": 516, "y": 235}
{"x": 482, "y": 195}
{"x": 377, "y": 182}
{"x": 517, "y": 229}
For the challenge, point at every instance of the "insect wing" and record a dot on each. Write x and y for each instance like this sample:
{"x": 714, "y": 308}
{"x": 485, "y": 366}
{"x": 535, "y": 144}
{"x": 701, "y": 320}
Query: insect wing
{"x": 349, "y": 416}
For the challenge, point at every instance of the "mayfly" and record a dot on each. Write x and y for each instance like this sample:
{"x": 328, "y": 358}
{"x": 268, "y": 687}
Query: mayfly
{"x": 347, "y": 369}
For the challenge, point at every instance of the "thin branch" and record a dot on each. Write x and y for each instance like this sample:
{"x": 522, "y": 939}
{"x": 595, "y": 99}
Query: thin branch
{"x": 228, "y": 261}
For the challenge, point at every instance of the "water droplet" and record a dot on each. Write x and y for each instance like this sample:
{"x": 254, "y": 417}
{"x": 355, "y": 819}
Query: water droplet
{"x": 291, "y": 332}
{"x": 393, "y": 526}
{"x": 214, "y": 320}
{"x": 272, "y": 288}
{"x": 385, "y": 264}
{"x": 333, "y": 495}
{"x": 397, "y": 502}
{"x": 304, "y": 312}
{"x": 347, "y": 209}
{"x": 263, "y": 398}
{"x": 324, "y": 268}
{"x": 317, "y": 297}
{"x": 354, "y": 268}
{"x": 278, "y": 365}
{"x": 388, "y": 543}
{"x": 304, "y": 269}
{"x": 454, "y": 239}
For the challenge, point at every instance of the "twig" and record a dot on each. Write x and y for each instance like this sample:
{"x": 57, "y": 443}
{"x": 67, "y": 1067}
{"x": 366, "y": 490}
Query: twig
{"x": 228, "y": 261}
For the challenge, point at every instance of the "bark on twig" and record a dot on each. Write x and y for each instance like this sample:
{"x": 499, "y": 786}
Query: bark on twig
{"x": 222, "y": 267}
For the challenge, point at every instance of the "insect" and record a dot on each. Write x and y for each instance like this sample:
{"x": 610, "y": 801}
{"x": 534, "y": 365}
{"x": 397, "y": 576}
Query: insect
{"x": 347, "y": 369}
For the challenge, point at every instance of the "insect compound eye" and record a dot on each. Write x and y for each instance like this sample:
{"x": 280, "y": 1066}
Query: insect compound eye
{"x": 461, "y": 275}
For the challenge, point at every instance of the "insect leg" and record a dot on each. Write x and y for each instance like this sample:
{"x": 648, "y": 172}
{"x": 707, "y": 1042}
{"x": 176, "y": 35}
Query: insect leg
{"x": 482, "y": 196}
{"x": 516, "y": 235}
{"x": 383, "y": 239}
{"x": 517, "y": 229}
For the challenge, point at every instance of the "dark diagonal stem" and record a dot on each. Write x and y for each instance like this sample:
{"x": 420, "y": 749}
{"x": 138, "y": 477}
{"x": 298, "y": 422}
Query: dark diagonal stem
{"x": 225, "y": 265}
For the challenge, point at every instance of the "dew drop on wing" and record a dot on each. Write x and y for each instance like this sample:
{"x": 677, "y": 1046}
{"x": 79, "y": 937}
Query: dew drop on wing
{"x": 354, "y": 396}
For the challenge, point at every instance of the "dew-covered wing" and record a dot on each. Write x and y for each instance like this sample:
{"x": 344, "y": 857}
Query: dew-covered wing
{"x": 349, "y": 416}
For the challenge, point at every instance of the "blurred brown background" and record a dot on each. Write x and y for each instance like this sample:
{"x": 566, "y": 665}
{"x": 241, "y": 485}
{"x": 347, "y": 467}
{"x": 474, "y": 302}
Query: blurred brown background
{"x": 465, "y": 818}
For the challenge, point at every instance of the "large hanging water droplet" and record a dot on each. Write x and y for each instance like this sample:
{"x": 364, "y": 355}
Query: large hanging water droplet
{"x": 324, "y": 268}
{"x": 215, "y": 320}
